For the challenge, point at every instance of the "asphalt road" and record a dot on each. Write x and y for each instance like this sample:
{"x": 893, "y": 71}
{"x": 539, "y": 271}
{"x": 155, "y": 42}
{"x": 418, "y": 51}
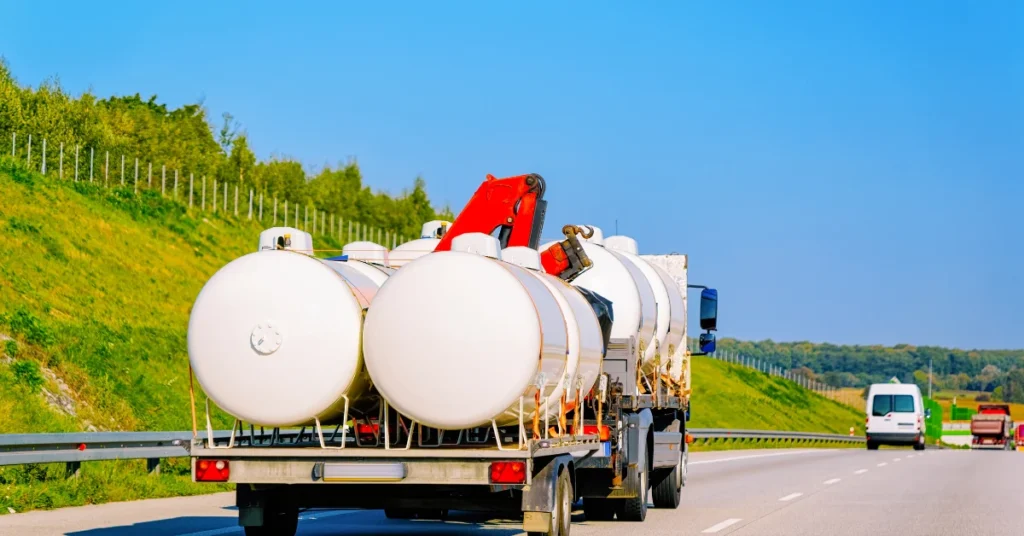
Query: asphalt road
{"x": 745, "y": 493}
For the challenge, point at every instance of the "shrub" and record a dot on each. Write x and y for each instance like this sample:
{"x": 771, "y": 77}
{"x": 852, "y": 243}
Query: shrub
{"x": 29, "y": 374}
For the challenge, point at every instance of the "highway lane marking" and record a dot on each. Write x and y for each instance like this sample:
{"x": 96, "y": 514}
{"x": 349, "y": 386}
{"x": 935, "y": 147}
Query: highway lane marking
{"x": 895, "y": 459}
{"x": 883, "y": 464}
{"x": 715, "y": 528}
{"x": 860, "y": 471}
{"x": 832, "y": 481}
{"x": 751, "y": 457}
{"x": 307, "y": 517}
{"x": 791, "y": 496}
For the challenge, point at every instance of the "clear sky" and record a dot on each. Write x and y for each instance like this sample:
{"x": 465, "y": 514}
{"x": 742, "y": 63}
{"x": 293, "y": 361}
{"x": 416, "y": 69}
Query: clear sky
{"x": 841, "y": 171}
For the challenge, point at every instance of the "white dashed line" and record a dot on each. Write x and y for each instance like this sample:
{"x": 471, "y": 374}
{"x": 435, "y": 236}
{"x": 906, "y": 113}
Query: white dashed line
{"x": 860, "y": 472}
{"x": 896, "y": 459}
{"x": 832, "y": 481}
{"x": 715, "y": 528}
{"x": 791, "y": 496}
{"x": 883, "y": 464}
{"x": 751, "y": 457}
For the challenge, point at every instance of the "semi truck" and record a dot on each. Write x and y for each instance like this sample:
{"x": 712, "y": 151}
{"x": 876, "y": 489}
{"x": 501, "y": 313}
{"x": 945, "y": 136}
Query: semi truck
{"x": 417, "y": 433}
{"x": 992, "y": 427}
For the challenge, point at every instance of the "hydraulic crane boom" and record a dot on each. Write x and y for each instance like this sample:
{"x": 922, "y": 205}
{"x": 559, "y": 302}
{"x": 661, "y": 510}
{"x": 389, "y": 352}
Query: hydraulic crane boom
{"x": 515, "y": 207}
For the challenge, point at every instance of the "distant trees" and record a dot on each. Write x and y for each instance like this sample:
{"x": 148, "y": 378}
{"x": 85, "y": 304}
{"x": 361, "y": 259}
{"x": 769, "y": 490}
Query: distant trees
{"x": 847, "y": 366}
{"x": 184, "y": 139}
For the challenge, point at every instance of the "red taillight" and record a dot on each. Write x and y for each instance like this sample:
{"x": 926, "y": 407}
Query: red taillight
{"x": 508, "y": 472}
{"x": 212, "y": 470}
{"x": 603, "y": 432}
{"x": 367, "y": 429}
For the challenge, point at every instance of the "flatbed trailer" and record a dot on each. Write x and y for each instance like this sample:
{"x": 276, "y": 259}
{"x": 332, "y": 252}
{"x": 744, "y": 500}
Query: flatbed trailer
{"x": 623, "y": 450}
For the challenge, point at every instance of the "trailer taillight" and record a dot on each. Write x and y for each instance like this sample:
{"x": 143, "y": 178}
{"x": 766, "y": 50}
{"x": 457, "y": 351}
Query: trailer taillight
{"x": 508, "y": 472}
{"x": 603, "y": 432}
{"x": 212, "y": 470}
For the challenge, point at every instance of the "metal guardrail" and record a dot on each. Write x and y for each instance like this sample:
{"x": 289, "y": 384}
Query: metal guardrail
{"x": 75, "y": 448}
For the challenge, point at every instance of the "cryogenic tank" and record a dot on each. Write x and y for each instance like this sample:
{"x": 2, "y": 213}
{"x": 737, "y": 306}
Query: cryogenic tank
{"x": 585, "y": 341}
{"x": 672, "y": 269}
{"x": 633, "y": 305}
{"x": 274, "y": 337}
{"x": 412, "y": 250}
{"x": 370, "y": 258}
{"x": 454, "y": 340}
{"x": 657, "y": 352}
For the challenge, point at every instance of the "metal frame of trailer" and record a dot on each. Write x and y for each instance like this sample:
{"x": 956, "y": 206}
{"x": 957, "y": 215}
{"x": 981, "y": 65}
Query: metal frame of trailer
{"x": 421, "y": 474}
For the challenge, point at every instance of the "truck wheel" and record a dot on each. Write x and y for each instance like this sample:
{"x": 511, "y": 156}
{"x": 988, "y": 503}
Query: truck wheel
{"x": 561, "y": 517}
{"x": 635, "y": 508}
{"x": 667, "y": 492}
{"x": 276, "y": 522}
{"x": 872, "y": 445}
{"x": 919, "y": 446}
{"x": 595, "y": 509}
{"x": 410, "y": 513}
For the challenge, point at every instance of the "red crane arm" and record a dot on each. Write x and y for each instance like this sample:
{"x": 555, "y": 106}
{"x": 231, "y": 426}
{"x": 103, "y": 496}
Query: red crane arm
{"x": 516, "y": 206}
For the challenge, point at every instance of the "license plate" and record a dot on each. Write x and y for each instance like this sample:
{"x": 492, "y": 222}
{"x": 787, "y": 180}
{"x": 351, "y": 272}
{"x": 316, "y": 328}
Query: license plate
{"x": 364, "y": 472}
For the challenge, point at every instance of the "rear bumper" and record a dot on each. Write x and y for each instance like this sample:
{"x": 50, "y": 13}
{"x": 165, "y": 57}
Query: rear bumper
{"x": 894, "y": 438}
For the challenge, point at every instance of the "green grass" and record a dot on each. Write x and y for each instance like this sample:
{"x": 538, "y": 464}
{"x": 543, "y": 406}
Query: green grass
{"x": 95, "y": 291}
{"x": 730, "y": 396}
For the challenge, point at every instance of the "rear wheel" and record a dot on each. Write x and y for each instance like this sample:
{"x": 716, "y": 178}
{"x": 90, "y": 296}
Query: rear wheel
{"x": 561, "y": 517}
{"x": 668, "y": 489}
{"x": 872, "y": 445}
{"x": 281, "y": 521}
{"x": 417, "y": 513}
{"x": 635, "y": 508}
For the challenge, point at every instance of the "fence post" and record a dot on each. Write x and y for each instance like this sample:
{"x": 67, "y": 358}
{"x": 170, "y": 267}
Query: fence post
{"x": 297, "y": 216}
{"x": 60, "y": 167}
{"x": 225, "y": 196}
{"x": 314, "y": 219}
{"x": 250, "y": 202}
{"x": 305, "y": 226}
{"x": 285, "y": 213}
{"x": 44, "y": 156}
{"x": 261, "y": 206}
{"x": 214, "y": 196}
{"x": 175, "y": 185}
{"x": 153, "y": 466}
{"x": 236, "y": 202}
{"x": 275, "y": 211}
{"x": 163, "y": 179}
{"x": 92, "y": 153}
{"x": 14, "y": 142}
{"x": 72, "y": 469}
{"x": 28, "y": 160}
{"x": 150, "y": 180}
{"x": 349, "y": 230}
{"x": 136, "y": 185}
{"x": 76, "y": 163}
{"x": 204, "y": 192}
{"x": 122, "y": 170}
{"x": 190, "y": 181}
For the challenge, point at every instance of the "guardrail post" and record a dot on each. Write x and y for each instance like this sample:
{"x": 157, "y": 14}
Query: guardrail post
{"x": 72, "y": 469}
{"x": 153, "y": 466}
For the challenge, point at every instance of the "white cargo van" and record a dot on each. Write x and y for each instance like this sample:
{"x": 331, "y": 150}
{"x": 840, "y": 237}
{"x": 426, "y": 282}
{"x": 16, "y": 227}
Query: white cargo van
{"x": 895, "y": 415}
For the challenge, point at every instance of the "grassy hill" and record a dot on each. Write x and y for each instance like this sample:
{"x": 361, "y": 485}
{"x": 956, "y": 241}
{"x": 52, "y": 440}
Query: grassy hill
{"x": 95, "y": 291}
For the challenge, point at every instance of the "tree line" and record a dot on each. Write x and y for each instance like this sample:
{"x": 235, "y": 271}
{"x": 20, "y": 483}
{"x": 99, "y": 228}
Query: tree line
{"x": 185, "y": 139}
{"x": 999, "y": 372}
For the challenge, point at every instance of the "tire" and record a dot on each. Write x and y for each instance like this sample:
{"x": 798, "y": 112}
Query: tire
{"x": 872, "y": 445}
{"x": 595, "y": 509}
{"x": 561, "y": 517}
{"x": 667, "y": 492}
{"x": 635, "y": 508}
{"x": 399, "y": 513}
{"x": 416, "y": 513}
{"x": 276, "y": 522}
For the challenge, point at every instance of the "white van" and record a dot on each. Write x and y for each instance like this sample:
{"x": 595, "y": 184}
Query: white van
{"x": 895, "y": 415}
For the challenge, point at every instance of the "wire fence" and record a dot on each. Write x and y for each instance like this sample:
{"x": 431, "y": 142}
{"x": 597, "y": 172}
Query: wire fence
{"x": 848, "y": 396}
{"x": 194, "y": 190}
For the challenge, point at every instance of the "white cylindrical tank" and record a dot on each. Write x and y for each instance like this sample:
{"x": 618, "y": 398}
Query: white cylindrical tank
{"x": 274, "y": 337}
{"x": 412, "y": 250}
{"x": 656, "y": 353}
{"x": 585, "y": 341}
{"x": 614, "y": 277}
{"x": 454, "y": 340}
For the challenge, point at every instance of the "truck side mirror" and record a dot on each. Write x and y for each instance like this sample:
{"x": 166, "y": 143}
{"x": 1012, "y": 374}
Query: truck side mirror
{"x": 708, "y": 309}
{"x": 707, "y": 343}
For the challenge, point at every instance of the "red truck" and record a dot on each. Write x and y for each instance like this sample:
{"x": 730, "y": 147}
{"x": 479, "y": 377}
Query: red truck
{"x": 992, "y": 427}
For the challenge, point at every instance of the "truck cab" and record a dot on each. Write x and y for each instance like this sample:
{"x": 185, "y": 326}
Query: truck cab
{"x": 895, "y": 416}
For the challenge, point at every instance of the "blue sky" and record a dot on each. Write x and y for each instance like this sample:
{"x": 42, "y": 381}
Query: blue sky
{"x": 842, "y": 171}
